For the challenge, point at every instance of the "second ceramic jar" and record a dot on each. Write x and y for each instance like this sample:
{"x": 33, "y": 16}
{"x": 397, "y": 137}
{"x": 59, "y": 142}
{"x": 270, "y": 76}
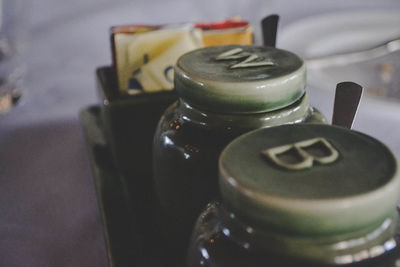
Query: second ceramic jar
{"x": 224, "y": 92}
{"x": 302, "y": 195}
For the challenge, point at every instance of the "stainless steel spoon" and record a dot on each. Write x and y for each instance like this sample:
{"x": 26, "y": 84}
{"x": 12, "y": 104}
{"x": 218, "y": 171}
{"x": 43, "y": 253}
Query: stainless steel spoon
{"x": 344, "y": 59}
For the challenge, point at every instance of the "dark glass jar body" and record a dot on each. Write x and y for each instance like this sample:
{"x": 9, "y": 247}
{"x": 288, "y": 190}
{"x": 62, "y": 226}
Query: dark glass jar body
{"x": 186, "y": 148}
{"x": 221, "y": 239}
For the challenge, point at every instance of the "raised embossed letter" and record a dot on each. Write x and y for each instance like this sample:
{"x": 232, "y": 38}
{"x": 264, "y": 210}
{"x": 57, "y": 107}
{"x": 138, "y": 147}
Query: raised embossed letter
{"x": 303, "y": 154}
{"x": 251, "y": 60}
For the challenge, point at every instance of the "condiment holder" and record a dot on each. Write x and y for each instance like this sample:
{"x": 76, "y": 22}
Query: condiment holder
{"x": 213, "y": 111}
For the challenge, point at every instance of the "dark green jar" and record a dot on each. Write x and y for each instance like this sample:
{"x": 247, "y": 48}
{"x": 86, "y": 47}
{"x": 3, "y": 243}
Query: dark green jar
{"x": 224, "y": 92}
{"x": 302, "y": 195}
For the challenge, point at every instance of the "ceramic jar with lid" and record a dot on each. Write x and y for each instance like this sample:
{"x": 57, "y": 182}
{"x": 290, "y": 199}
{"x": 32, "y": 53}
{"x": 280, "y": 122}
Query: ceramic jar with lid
{"x": 224, "y": 91}
{"x": 302, "y": 195}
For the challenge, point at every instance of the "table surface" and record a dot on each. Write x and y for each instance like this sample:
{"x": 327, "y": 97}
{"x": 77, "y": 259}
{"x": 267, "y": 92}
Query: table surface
{"x": 48, "y": 210}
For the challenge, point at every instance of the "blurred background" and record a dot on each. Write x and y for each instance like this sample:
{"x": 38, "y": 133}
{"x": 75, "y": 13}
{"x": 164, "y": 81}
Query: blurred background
{"x": 48, "y": 210}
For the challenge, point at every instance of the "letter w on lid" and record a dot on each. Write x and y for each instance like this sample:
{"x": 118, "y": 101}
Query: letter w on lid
{"x": 303, "y": 154}
{"x": 251, "y": 60}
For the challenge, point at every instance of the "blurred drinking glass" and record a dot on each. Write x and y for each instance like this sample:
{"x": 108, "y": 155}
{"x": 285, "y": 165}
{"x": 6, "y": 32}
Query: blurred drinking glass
{"x": 13, "y": 29}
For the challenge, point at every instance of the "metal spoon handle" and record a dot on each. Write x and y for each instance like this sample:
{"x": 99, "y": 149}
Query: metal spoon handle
{"x": 347, "y": 98}
{"x": 269, "y": 26}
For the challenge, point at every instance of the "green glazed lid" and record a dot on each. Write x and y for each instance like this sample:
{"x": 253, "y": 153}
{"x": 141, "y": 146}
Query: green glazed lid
{"x": 240, "y": 78}
{"x": 310, "y": 180}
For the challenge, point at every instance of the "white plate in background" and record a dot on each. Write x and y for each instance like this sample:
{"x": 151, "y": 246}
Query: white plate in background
{"x": 338, "y": 33}
{"x": 333, "y": 33}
